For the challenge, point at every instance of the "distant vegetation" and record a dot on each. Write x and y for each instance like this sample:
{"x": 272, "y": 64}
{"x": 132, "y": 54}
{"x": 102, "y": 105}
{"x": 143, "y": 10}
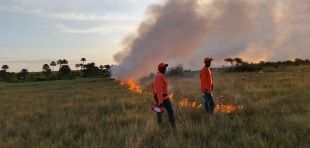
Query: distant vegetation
{"x": 90, "y": 70}
{"x": 64, "y": 72}
{"x": 238, "y": 65}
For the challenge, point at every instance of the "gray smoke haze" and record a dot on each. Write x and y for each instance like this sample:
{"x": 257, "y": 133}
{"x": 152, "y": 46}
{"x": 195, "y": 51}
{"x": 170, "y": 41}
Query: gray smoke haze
{"x": 186, "y": 31}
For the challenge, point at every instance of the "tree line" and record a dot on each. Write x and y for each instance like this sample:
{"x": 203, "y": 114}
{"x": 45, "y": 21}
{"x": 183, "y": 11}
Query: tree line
{"x": 239, "y": 65}
{"x": 64, "y": 72}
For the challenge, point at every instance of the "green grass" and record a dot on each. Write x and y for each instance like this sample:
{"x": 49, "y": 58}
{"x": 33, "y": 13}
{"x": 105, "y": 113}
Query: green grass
{"x": 101, "y": 113}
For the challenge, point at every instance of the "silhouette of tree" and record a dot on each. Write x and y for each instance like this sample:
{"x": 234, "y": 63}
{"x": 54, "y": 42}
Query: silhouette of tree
{"x": 64, "y": 62}
{"x": 53, "y": 64}
{"x": 59, "y": 62}
{"x": 64, "y": 70}
{"x": 176, "y": 71}
{"x": 5, "y": 67}
{"x": 77, "y": 66}
{"x": 82, "y": 67}
{"x": 230, "y": 60}
{"x": 239, "y": 61}
{"x": 91, "y": 70}
{"x": 24, "y": 72}
{"x": 46, "y": 71}
{"x": 108, "y": 67}
{"x": 262, "y": 62}
{"x": 107, "y": 70}
{"x": 83, "y": 60}
{"x": 101, "y": 67}
{"x": 298, "y": 61}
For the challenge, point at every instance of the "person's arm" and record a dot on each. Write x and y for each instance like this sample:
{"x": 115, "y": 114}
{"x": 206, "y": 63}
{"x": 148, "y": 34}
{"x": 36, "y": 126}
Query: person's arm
{"x": 208, "y": 83}
{"x": 201, "y": 81}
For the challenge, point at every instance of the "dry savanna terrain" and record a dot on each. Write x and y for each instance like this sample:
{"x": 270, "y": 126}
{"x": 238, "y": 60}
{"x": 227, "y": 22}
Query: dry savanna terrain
{"x": 103, "y": 113}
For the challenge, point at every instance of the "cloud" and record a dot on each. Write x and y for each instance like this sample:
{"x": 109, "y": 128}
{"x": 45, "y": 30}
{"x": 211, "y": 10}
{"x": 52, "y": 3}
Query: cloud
{"x": 68, "y": 16}
{"x": 105, "y": 30}
{"x": 26, "y": 61}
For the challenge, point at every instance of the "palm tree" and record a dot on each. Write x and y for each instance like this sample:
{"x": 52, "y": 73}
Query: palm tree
{"x": 24, "y": 73}
{"x": 83, "y": 60}
{"x": 5, "y": 67}
{"x": 53, "y": 64}
{"x": 230, "y": 60}
{"x": 64, "y": 61}
{"x": 46, "y": 70}
{"x": 77, "y": 66}
{"x": 45, "y": 67}
{"x": 82, "y": 67}
{"x": 59, "y": 62}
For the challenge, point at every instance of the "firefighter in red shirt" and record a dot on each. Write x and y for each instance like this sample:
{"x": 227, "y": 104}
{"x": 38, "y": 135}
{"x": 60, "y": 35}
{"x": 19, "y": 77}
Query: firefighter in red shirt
{"x": 160, "y": 90}
{"x": 206, "y": 80}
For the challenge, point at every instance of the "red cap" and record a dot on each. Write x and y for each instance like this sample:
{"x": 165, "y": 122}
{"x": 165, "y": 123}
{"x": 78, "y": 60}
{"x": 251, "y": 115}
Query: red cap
{"x": 207, "y": 59}
{"x": 162, "y": 65}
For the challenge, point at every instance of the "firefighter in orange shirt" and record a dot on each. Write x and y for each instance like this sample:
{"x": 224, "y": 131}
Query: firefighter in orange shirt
{"x": 206, "y": 80}
{"x": 160, "y": 90}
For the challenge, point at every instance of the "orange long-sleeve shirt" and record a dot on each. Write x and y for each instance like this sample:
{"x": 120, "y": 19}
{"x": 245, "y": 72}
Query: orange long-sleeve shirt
{"x": 160, "y": 87}
{"x": 206, "y": 80}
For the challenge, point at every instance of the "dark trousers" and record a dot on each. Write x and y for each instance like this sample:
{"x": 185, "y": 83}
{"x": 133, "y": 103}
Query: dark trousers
{"x": 168, "y": 106}
{"x": 209, "y": 102}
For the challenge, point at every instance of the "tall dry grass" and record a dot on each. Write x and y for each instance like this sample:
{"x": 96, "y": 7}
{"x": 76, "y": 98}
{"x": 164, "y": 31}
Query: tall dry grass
{"x": 102, "y": 113}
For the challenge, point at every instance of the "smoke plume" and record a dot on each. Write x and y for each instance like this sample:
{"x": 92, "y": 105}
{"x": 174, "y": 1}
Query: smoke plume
{"x": 186, "y": 31}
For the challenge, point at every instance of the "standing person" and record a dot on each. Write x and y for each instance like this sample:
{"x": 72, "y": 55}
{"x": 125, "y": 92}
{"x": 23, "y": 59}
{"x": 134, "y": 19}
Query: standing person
{"x": 206, "y": 81}
{"x": 160, "y": 90}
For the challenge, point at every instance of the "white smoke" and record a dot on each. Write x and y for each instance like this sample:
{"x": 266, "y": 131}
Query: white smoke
{"x": 186, "y": 31}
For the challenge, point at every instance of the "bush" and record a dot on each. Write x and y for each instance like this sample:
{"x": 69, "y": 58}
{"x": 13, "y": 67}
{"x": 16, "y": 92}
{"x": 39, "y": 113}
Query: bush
{"x": 176, "y": 71}
{"x": 246, "y": 67}
{"x": 91, "y": 70}
{"x": 64, "y": 70}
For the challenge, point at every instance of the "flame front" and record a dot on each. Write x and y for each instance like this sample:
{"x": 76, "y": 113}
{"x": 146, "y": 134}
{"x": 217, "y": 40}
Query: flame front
{"x": 133, "y": 86}
{"x": 220, "y": 108}
{"x": 190, "y": 103}
{"x": 227, "y": 108}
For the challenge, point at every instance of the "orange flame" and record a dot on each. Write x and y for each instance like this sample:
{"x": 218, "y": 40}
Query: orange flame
{"x": 188, "y": 103}
{"x": 133, "y": 86}
{"x": 228, "y": 108}
{"x": 220, "y": 108}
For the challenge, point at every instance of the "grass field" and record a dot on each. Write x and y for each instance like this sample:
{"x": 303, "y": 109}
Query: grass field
{"x": 102, "y": 113}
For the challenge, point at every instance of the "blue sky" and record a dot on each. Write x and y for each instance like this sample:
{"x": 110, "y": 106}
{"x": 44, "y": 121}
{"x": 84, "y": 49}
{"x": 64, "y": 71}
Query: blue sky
{"x": 34, "y": 32}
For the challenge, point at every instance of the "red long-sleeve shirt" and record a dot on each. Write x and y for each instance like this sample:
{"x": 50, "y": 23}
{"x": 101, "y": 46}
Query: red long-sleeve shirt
{"x": 160, "y": 87}
{"x": 206, "y": 80}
